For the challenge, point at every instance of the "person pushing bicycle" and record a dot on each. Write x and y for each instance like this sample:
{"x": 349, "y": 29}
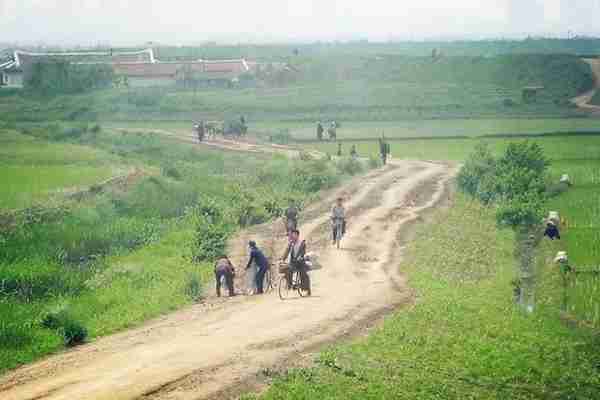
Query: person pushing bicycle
{"x": 294, "y": 254}
{"x": 338, "y": 220}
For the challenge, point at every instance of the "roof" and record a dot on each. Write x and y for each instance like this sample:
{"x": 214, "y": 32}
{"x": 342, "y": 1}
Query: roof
{"x": 222, "y": 69}
{"x": 91, "y": 57}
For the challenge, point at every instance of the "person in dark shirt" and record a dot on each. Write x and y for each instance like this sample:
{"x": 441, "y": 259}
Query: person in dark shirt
{"x": 262, "y": 264}
{"x": 291, "y": 218}
{"x": 224, "y": 268}
{"x": 552, "y": 231}
{"x": 294, "y": 254}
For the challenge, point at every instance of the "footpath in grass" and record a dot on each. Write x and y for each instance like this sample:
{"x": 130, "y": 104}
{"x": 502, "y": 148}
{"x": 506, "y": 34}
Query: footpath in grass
{"x": 463, "y": 338}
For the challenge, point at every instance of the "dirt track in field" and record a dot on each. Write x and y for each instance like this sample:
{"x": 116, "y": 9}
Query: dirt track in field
{"x": 583, "y": 101}
{"x": 221, "y": 347}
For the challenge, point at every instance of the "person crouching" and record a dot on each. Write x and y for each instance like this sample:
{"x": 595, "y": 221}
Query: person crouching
{"x": 224, "y": 269}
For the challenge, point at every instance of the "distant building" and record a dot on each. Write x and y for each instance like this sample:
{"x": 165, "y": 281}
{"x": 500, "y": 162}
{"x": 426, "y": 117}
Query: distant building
{"x": 140, "y": 68}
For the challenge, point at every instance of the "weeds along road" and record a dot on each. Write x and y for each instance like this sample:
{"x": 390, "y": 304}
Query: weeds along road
{"x": 218, "y": 349}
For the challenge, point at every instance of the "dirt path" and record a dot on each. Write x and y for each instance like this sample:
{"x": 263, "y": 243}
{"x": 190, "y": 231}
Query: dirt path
{"x": 583, "y": 101}
{"x": 218, "y": 348}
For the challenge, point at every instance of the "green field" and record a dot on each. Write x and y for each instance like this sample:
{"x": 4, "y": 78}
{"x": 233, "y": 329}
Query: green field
{"x": 436, "y": 127}
{"x": 463, "y": 338}
{"x": 33, "y": 171}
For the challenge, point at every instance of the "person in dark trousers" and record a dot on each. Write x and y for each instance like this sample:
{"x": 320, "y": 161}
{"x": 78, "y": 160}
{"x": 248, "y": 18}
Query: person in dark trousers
{"x": 320, "y": 131}
{"x": 294, "y": 253}
{"x": 353, "y": 152}
{"x": 339, "y": 152}
{"x": 384, "y": 149}
{"x": 261, "y": 262}
{"x": 291, "y": 218}
{"x": 552, "y": 231}
{"x": 224, "y": 268}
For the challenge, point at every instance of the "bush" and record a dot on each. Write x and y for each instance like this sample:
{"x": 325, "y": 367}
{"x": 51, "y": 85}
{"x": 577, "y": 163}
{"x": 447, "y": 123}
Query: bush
{"x": 312, "y": 176}
{"x": 508, "y": 103}
{"x": 96, "y": 128}
{"x": 170, "y": 171}
{"x": 210, "y": 239}
{"x": 74, "y": 333}
{"x": 349, "y": 166}
{"x": 193, "y": 287}
{"x": 516, "y": 181}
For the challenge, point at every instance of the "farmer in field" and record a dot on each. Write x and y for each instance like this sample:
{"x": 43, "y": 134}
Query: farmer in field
{"x": 261, "y": 263}
{"x": 224, "y": 269}
{"x": 291, "y": 218}
{"x": 339, "y": 152}
{"x": 552, "y": 231}
{"x": 338, "y": 218}
{"x": 294, "y": 254}
{"x": 353, "y": 152}
{"x": 320, "y": 131}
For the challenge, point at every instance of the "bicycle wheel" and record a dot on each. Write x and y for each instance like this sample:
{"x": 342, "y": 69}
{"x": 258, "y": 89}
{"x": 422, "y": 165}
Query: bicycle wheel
{"x": 298, "y": 284}
{"x": 284, "y": 291}
{"x": 267, "y": 281}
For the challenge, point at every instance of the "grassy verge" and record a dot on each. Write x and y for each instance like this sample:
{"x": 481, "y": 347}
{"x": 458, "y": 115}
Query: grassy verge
{"x": 463, "y": 338}
{"x": 32, "y": 170}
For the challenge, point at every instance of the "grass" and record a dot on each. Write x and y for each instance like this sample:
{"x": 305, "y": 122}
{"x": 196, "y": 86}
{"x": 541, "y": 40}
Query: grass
{"x": 32, "y": 171}
{"x": 130, "y": 253}
{"x": 436, "y": 128}
{"x": 463, "y": 338}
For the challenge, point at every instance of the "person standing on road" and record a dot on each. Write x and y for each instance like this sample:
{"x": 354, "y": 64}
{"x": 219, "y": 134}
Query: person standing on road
{"x": 320, "y": 131}
{"x": 224, "y": 269}
{"x": 291, "y": 218}
{"x": 339, "y": 152}
{"x": 294, "y": 254}
{"x": 338, "y": 218}
{"x": 261, "y": 264}
{"x": 384, "y": 150}
{"x": 353, "y": 152}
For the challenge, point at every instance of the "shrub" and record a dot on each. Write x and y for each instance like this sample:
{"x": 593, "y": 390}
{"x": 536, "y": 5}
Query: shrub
{"x": 193, "y": 287}
{"x": 349, "y": 166}
{"x": 73, "y": 332}
{"x": 479, "y": 167}
{"x": 170, "y": 171}
{"x": 210, "y": 239}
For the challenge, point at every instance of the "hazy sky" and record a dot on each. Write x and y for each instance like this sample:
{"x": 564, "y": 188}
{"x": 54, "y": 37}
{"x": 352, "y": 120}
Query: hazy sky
{"x": 192, "y": 21}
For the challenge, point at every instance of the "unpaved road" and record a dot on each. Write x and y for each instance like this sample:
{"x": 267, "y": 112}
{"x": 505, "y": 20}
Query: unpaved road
{"x": 218, "y": 348}
{"x": 583, "y": 101}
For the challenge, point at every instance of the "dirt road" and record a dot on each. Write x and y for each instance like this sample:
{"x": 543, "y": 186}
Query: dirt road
{"x": 583, "y": 101}
{"x": 220, "y": 347}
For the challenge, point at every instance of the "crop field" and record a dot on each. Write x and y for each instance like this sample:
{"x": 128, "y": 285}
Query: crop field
{"x": 32, "y": 171}
{"x": 436, "y": 127}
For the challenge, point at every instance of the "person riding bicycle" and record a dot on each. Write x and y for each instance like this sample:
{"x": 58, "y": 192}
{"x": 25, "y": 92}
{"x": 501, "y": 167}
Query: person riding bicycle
{"x": 294, "y": 254}
{"x": 338, "y": 220}
{"x": 291, "y": 218}
{"x": 261, "y": 262}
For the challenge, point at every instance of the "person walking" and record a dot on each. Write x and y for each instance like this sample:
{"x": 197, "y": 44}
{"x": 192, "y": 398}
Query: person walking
{"x": 261, "y": 265}
{"x": 320, "y": 131}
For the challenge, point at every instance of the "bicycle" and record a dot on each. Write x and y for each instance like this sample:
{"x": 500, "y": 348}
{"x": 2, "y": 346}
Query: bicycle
{"x": 338, "y": 232}
{"x": 296, "y": 285}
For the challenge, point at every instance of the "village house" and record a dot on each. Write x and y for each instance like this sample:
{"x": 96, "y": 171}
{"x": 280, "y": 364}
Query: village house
{"x": 137, "y": 68}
